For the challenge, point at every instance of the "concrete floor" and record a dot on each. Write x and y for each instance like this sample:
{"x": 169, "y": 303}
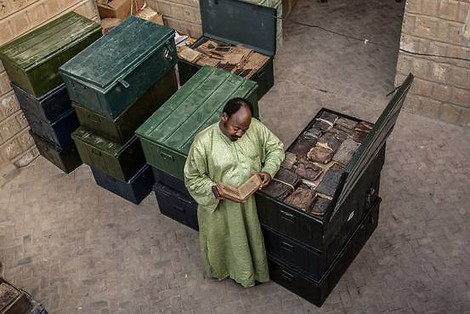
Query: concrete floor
{"x": 81, "y": 249}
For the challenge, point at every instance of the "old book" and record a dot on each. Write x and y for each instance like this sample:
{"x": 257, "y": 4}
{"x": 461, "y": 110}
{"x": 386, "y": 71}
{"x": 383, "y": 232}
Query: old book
{"x": 313, "y": 133}
{"x": 330, "y": 181}
{"x": 283, "y": 183}
{"x": 322, "y": 125}
{"x": 329, "y": 141}
{"x": 346, "y": 151}
{"x": 320, "y": 154}
{"x": 344, "y": 123}
{"x": 328, "y": 116}
{"x": 307, "y": 169}
{"x": 241, "y": 193}
{"x": 205, "y": 60}
{"x": 256, "y": 61}
{"x": 301, "y": 198}
{"x": 302, "y": 146}
{"x": 188, "y": 54}
{"x": 361, "y": 131}
{"x": 339, "y": 134}
{"x": 320, "y": 206}
{"x": 289, "y": 160}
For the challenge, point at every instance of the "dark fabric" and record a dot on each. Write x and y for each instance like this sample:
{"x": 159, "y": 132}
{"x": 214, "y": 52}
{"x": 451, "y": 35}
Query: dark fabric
{"x": 289, "y": 160}
{"x": 307, "y": 169}
{"x": 301, "y": 146}
{"x": 320, "y": 154}
{"x": 346, "y": 151}
{"x": 302, "y": 198}
{"x": 328, "y": 140}
{"x": 320, "y": 206}
{"x": 278, "y": 189}
{"x": 330, "y": 181}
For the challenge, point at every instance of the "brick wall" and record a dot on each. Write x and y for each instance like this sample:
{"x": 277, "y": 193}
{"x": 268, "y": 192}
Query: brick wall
{"x": 18, "y": 17}
{"x": 442, "y": 86}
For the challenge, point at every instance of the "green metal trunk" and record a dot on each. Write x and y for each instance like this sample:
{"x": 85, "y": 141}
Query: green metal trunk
{"x": 32, "y": 61}
{"x": 167, "y": 135}
{"x": 116, "y": 70}
{"x": 122, "y": 128}
{"x": 119, "y": 161}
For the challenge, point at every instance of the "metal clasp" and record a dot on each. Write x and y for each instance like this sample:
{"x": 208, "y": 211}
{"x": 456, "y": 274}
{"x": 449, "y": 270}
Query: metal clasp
{"x": 167, "y": 55}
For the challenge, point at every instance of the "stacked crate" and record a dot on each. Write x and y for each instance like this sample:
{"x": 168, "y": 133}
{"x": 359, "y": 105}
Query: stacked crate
{"x": 167, "y": 135}
{"x": 115, "y": 85}
{"x": 32, "y": 63}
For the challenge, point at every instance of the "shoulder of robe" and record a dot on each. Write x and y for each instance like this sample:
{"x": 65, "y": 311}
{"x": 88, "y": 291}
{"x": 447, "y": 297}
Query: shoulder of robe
{"x": 257, "y": 125}
{"x": 205, "y": 134}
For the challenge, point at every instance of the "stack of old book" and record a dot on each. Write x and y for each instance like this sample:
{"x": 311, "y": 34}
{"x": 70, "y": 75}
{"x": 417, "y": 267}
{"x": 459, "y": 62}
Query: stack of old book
{"x": 115, "y": 85}
{"x": 235, "y": 59}
{"x": 32, "y": 63}
{"x": 317, "y": 160}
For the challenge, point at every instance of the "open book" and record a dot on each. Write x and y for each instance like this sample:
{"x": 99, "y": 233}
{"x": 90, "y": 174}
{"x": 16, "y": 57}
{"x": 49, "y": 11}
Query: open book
{"x": 241, "y": 193}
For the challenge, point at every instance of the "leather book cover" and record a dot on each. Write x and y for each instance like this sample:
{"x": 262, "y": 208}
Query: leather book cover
{"x": 241, "y": 193}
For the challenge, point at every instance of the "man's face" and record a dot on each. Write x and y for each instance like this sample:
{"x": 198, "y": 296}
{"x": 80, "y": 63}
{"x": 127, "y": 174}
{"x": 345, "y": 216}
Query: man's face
{"x": 235, "y": 126}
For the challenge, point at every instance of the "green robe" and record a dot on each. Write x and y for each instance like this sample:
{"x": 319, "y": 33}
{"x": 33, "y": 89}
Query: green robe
{"x": 231, "y": 241}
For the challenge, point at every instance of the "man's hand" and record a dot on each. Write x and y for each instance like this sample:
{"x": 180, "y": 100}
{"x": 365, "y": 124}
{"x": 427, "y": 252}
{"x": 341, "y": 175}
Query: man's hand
{"x": 216, "y": 192}
{"x": 265, "y": 179}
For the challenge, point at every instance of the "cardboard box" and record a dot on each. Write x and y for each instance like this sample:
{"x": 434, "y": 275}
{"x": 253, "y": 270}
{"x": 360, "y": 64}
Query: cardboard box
{"x": 119, "y": 9}
{"x": 151, "y": 15}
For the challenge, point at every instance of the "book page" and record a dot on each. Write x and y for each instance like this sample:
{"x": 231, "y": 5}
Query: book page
{"x": 250, "y": 186}
{"x": 241, "y": 193}
{"x": 229, "y": 192}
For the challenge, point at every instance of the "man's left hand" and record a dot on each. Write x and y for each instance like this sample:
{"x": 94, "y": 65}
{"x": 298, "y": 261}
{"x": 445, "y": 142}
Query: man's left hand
{"x": 265, "y": 179}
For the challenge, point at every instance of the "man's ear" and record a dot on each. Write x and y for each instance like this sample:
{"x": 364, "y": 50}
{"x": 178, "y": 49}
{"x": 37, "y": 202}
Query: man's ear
{"x": 224, "y": 117}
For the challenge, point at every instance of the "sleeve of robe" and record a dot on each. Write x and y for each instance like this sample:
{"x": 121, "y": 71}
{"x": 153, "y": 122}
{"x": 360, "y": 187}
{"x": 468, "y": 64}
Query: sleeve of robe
{"x": 196, "y": 177}
{"x": 273, "y": 150}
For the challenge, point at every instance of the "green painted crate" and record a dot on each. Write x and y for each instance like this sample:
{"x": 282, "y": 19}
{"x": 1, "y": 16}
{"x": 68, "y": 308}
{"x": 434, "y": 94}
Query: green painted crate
{"x": 167, "y": 135}
{"x": 32, "y": 61}
{"x": 122, "y": 128}
{"x": 112, "y": 73}
{"x": 119, "y": 161}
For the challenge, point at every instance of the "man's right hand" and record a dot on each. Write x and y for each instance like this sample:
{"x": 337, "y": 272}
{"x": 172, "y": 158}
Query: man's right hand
{"x": 216, "y": 192}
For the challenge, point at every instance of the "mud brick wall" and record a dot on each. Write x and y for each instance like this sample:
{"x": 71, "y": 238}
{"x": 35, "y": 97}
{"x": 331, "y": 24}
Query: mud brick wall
{"x": 182, "y": 15}
{"x": 18, "y": 17}
{"x": 442, "y": 86}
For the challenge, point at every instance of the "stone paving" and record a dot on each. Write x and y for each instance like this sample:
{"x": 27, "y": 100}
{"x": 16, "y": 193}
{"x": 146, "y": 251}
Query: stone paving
{"x": 81, "y": 249}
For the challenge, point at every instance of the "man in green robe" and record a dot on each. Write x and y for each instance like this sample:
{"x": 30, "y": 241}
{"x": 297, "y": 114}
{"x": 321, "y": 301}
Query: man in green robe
{"x": 229, "y": 152}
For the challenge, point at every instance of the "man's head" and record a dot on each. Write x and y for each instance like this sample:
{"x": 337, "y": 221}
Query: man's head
{"x": 236, "y": 118}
